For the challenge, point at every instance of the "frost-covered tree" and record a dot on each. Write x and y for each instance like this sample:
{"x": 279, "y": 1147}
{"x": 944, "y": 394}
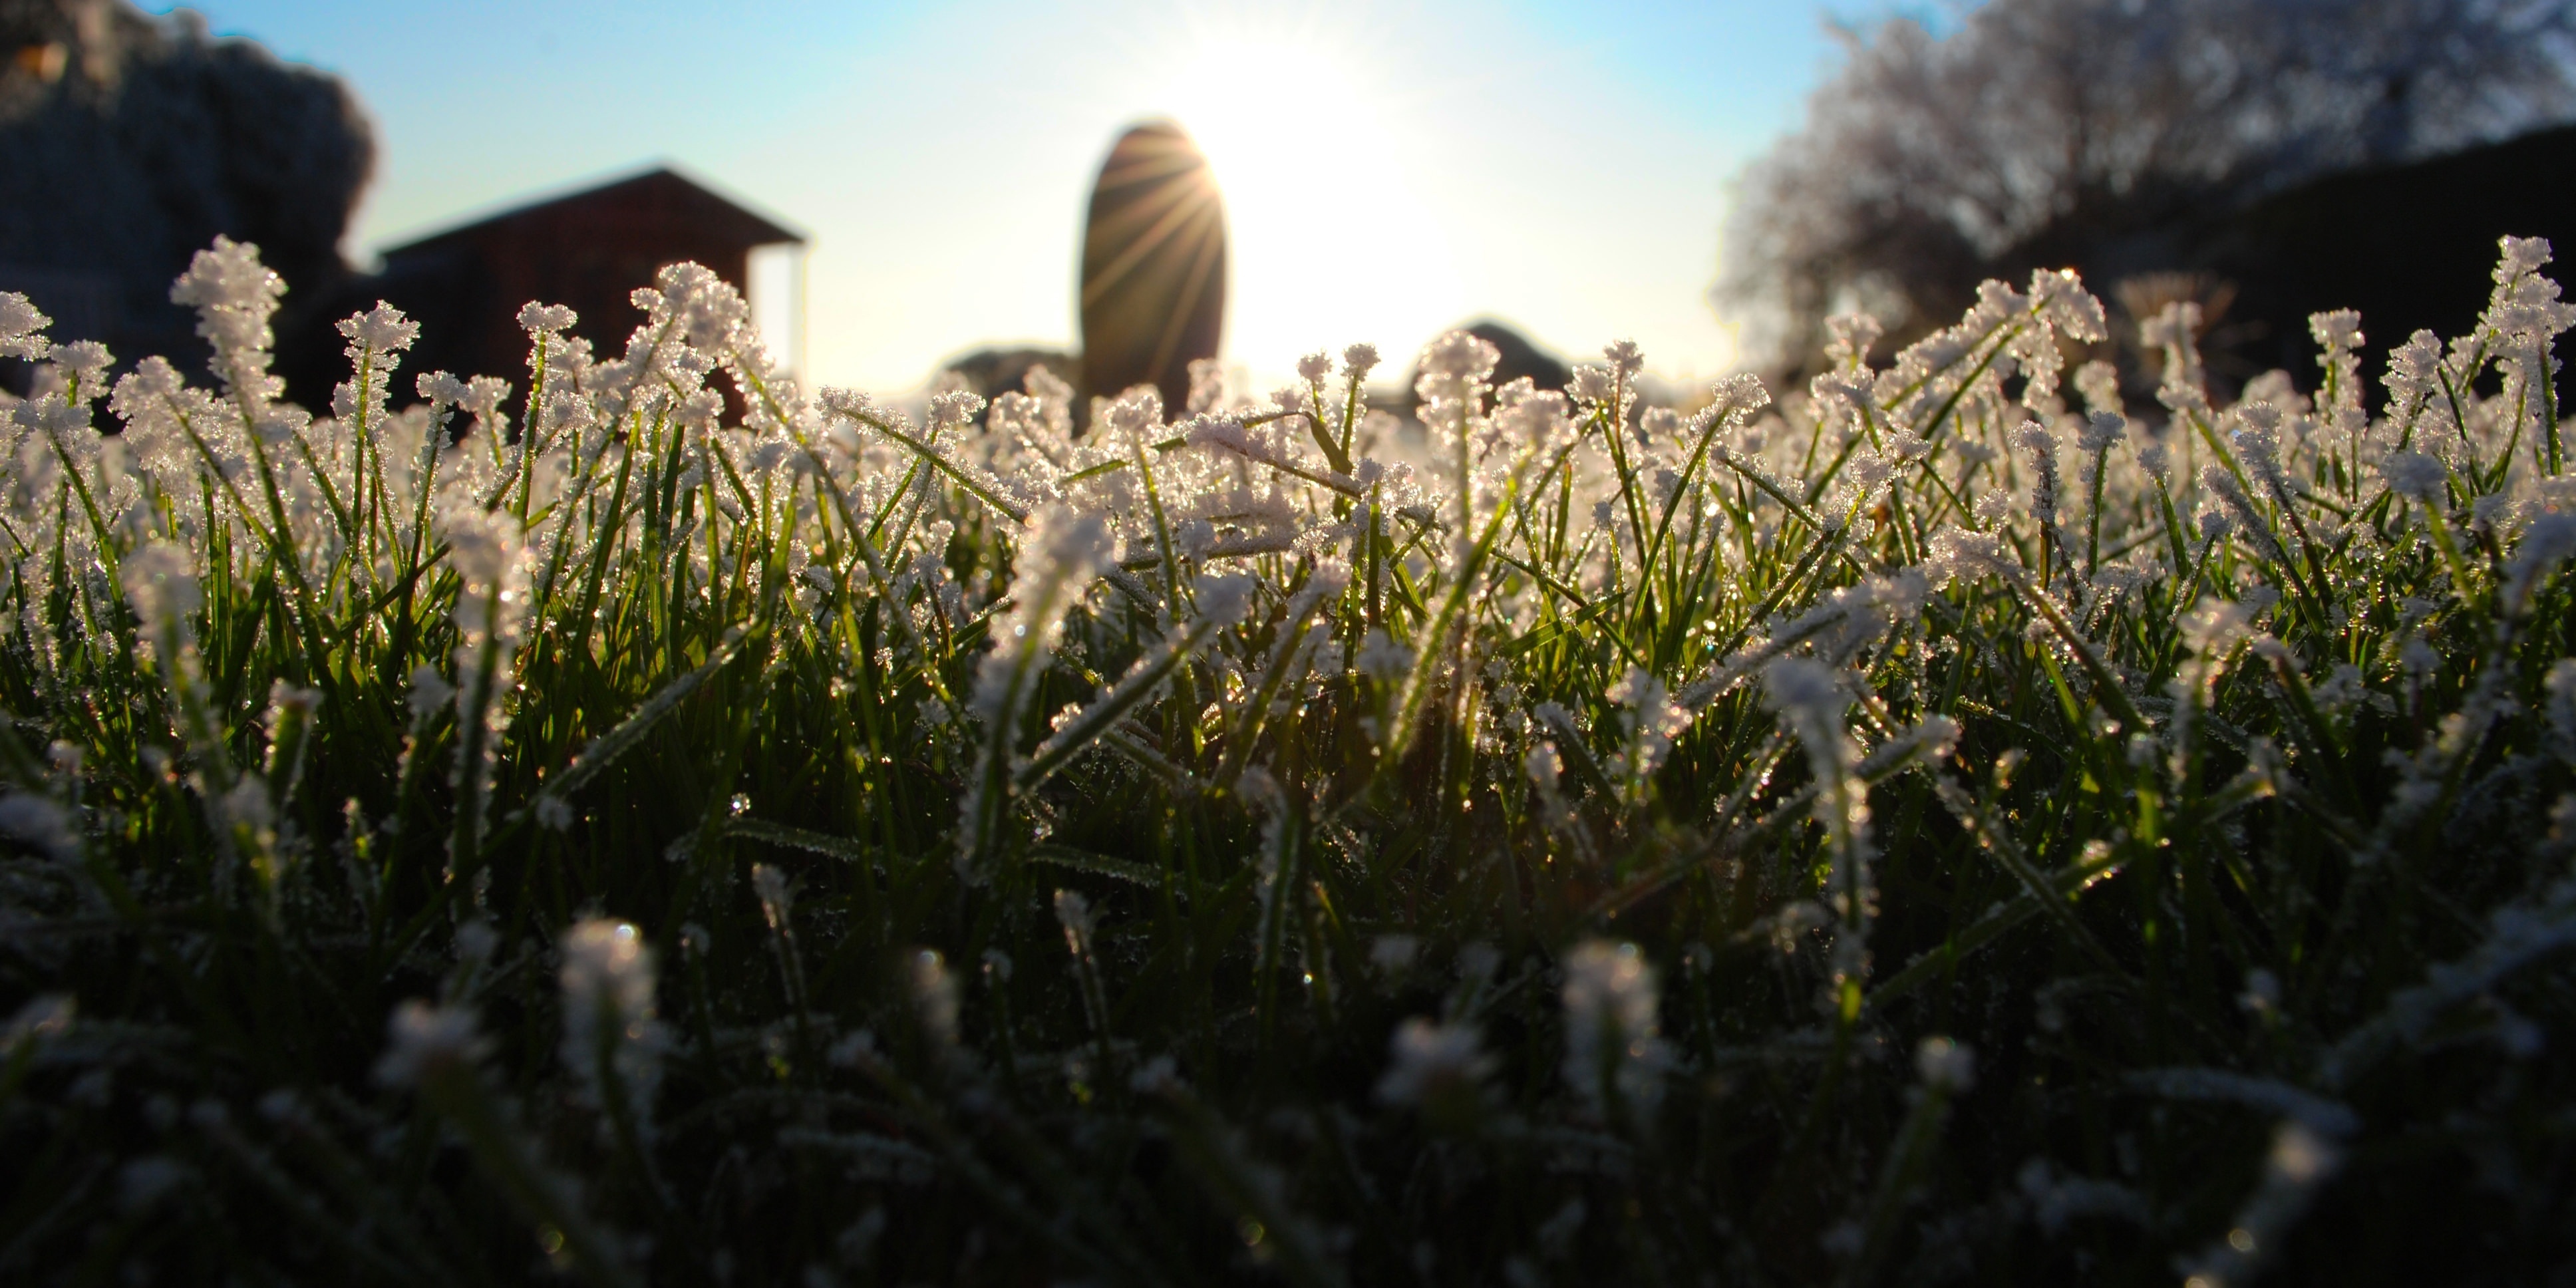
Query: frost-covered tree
{"x": 2046, "y": 126}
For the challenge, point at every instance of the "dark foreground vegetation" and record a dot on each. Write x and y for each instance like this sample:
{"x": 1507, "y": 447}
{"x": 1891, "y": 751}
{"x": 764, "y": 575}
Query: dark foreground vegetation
{"x": 1920, "y": 832}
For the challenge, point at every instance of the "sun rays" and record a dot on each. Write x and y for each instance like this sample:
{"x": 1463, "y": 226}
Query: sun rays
{"x": 1307, "y": 137}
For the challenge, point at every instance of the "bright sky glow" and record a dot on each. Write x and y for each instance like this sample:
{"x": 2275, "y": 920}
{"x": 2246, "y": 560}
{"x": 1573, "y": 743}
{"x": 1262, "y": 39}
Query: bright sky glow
{"x": 1328, "y": 231}
{"x": 1390, "y": 167}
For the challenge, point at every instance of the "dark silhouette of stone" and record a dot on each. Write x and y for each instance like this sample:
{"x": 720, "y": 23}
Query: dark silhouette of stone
{"x": 1518, "y": 358}
{"x": 131, "y": 141}
{"x": 1153, "y": 267}
{"x": 991, "y": 372}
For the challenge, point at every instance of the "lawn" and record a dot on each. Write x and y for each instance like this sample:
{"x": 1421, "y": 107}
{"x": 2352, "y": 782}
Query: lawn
{"x": 648, "y": 822}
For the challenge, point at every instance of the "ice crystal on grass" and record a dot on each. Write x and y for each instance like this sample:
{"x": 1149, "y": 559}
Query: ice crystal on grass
{"x": 234, "y": 295}
{"x": 1945, "y": 1065}
{"x": 612, "y": 1040}
{"x": 2415, "y": 475}
{"x": 2300, "y": 1160}
{"x": 426, "y": 1039}
{"x": 22, "y": 328}
{"x": 1433, "y": 1064}
{"x": 40, "y": 823}
{"x": 1798, "y": 736}
{"x": 1614, "y": 1053}
{"x": 2547, "y": 543}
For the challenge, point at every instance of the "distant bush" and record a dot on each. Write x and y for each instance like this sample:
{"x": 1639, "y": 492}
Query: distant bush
{"x": 1915, "y": 832}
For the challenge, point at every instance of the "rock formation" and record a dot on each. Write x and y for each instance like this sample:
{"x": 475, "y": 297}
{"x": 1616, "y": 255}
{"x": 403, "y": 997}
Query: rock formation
{"x": 1153, "y": 266}
{"x": 130, "y": 141}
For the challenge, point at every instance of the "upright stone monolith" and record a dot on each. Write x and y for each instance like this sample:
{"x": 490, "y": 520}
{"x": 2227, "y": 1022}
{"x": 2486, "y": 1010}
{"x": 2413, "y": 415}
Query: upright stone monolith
{"x": 1153, "y": 266}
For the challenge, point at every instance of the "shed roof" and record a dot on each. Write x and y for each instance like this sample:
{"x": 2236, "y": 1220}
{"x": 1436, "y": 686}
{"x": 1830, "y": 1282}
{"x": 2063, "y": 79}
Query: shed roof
{"x": 660, "y": 196}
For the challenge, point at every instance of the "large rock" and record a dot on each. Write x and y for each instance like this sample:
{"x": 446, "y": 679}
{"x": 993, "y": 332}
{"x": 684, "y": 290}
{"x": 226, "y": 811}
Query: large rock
{"x": 130, "y": 141}
{"x": 991, "y": 372}
{"x": 1517, "y": 357}
{"x": 1153, "y": 266}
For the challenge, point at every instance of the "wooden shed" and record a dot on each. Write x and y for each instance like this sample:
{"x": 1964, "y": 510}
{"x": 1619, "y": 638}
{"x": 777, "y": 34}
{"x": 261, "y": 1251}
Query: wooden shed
{"x": 589, "y": 249}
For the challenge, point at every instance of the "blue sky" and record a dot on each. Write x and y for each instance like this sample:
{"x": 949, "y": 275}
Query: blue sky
{"x": 1390, "y": 167}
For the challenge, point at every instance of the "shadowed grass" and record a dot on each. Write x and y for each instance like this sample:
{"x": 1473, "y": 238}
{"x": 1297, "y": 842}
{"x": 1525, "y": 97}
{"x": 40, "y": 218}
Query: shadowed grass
{"x": 2026, "y": 882}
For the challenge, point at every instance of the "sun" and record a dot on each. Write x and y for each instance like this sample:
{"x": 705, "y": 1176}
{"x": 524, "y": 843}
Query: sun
{"x": 1268, "y": 112}
{"x": 1308, "y": 142}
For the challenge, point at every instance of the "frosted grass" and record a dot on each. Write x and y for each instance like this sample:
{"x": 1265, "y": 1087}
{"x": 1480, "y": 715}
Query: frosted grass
{"x": 544, "y": 826}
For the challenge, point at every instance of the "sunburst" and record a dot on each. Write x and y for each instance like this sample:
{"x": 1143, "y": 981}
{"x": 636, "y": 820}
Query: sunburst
{"x": 1315, "y": 147}
{"x": 1153, "y": 265}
